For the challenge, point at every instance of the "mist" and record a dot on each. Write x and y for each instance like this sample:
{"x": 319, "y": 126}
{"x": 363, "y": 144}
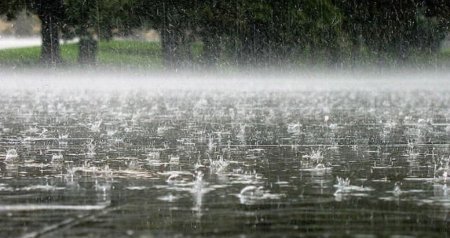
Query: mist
{"x": 250, "y": 80}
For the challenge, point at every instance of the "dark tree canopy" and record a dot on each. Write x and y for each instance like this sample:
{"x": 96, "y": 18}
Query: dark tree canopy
{"x": 248, "y": 32}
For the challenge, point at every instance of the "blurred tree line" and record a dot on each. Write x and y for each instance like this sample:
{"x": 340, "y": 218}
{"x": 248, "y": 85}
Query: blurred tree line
{"x": 247, "y": 32}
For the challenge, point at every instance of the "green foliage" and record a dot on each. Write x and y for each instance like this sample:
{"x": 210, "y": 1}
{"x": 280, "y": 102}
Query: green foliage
{"x": 130, "y": 54}
{"x": 395, "y": 29}
{"x": 10, "y": 8}
{"x": 259, "y": 32}
{"x": 255, "y": 32}
{"x": 102, "y": 17}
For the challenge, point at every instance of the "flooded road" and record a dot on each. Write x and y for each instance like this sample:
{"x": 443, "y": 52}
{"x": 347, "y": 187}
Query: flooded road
{"x": 140, "y": 163}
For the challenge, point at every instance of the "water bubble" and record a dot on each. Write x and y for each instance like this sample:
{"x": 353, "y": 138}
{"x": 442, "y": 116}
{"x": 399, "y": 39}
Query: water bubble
{"x": 11, "y": 155}
{"x": 174, "y": 159}
{"x": 397, "y": 190}
{"x": 252, "y": 191}
{"x": 57, "y": 157}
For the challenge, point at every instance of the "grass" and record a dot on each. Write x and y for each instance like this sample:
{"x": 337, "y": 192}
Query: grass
{"x": 123, "y": 53}
{"x": 20, "y": 57}
{"x": 445, "y": 55}
{"x": 147, "y": 55}
{"x": 130, "y": 54}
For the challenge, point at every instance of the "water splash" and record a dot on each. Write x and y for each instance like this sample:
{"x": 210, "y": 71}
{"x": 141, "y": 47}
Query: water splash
{"x": 251, "y": 194}
{"x": 11, "y": 155}
{"x": 345, "y": 189}
{"x": 397, "y": 191}
{"x": 219, "y": 165}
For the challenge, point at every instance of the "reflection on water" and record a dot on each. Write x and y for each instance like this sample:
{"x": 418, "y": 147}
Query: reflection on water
{"x": 137, "y": 163}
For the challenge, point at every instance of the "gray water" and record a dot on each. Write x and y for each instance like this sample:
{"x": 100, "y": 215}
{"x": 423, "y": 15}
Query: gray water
{"x": 139, "y": 163}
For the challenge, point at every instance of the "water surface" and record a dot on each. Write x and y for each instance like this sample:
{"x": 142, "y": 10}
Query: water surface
{"x": 154, "y": 163}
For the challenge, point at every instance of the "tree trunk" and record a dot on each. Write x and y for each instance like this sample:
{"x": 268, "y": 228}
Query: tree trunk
{"x": 169, "y": 48}
{"x": 87, "y": 48}
{"x": 211, "y": 47}
{"x": 88, "y": 44}
{"x": 50, "y": 51}
{"x": 167, "y": 44}
{"x": 171, "y": 36}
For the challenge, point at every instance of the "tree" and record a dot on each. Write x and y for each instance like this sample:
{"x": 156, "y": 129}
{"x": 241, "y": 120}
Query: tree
{"x": 395, "y": 29}
{"x": 247, "y": 32}
{"x": 174, "y": 20}
{"x": 10, "y": 8}
{"x": 50, "y": 13}
{"x": 93, "y": 20}
{"x": 268, "y": 32}
{"x": 174, "y": 25}
{"x": 81, "y": 21}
